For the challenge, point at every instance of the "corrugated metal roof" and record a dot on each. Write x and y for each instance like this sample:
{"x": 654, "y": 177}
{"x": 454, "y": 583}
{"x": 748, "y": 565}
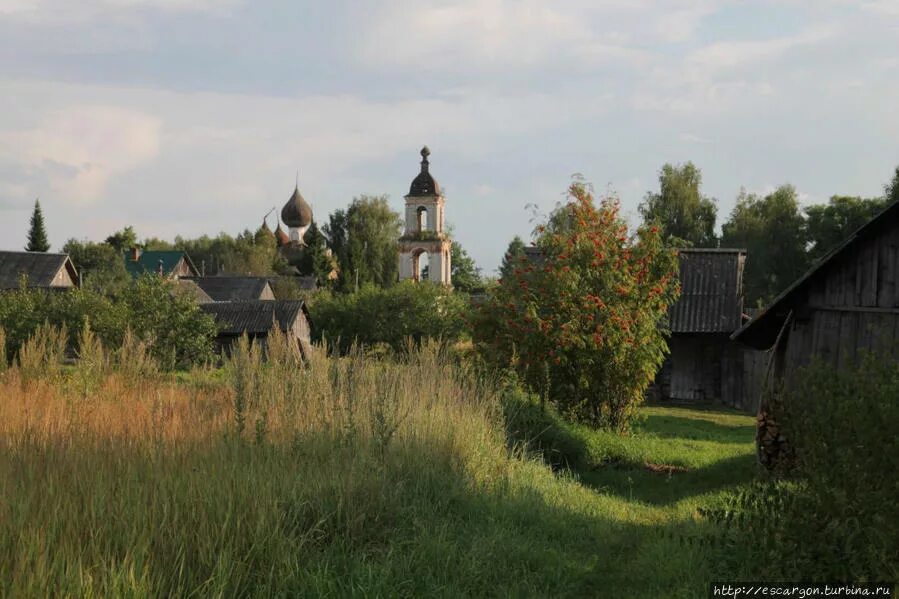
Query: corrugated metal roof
{"x": 226, "y": 289}
{"x": 40, "y": 268}
{"x": 254, "y": 317}
{"x": 711, "y": 298}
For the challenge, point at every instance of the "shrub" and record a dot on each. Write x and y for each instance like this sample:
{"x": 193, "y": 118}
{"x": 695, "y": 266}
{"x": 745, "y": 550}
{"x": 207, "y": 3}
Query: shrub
{"x": 834, "y": 515}
{"x": 374, "y": 315}
{"x": 584, "y": 322}
{"x": 176, "y": 331}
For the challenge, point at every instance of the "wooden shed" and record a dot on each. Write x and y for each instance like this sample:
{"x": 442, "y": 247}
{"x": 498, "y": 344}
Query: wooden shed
{"x": 704, "y": 364}
{"x": 256, "y": 319}
{"x": 846, "y": 303}
{"x": 38, "y": 270}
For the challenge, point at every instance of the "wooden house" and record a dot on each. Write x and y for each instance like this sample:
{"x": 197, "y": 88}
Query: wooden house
{"x": 256, "y": 319}
{"x": 38, "y": 270}
{"x": 704, "y": 364}
{"x": 231, "y": 289}
{"x": 171, "y": 264}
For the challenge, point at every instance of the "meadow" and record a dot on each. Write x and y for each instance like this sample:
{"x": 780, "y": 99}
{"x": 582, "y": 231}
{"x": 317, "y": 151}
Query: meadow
{"x": 415, "y": 476}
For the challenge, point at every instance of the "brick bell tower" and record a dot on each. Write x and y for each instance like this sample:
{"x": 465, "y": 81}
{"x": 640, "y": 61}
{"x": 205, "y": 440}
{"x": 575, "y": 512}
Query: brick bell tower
{"x": 424, "y": 235}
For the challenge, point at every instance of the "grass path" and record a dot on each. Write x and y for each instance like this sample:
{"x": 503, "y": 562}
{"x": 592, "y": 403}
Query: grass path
{"x": 646, "y": 506}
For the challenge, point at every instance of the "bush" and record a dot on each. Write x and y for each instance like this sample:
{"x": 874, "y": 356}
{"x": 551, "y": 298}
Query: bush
{"x": 834, "y": 514}
{"x": 177, "y": 332}
{"x": 583, "y": 323}
{"x": 389, "y": 316}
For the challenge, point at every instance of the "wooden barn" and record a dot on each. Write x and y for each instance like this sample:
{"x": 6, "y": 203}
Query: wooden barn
{"x": 256, "y": 319}
{"x": 847, "y": 302}
{"x": 704, "y": 364}
{"x": 38, "y": 270}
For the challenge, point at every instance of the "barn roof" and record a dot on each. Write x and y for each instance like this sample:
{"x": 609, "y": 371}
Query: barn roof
{"x": 254, "y": 317}
{"x": 711, "y": 299}
{"x": 761, "y": 332}
{"x": 226, "y": 289}
{"x": 40, "y": 268}
{"x": 149, "y": 260}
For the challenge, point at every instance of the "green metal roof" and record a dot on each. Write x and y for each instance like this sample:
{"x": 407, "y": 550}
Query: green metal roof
{"x": 148, "y": 261}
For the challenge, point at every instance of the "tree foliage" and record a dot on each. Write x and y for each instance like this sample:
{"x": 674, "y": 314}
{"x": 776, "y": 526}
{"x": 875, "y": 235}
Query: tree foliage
{"x": 124, "y": 239}
{"x": 686, "y": 217}
{"x": 584, "y": 327}
{"x": 178, "y": 332}
{"x": 512, "y": 257}
{"x": 829, "y": 224}
{"x": 389, "y": 316}
{"x": 466, "y": 276}
{"x": 363, "y": 239}
{"x": 772, "y": 230}
{"x": 99, "y": 265}
{"x": 37, "y": 232}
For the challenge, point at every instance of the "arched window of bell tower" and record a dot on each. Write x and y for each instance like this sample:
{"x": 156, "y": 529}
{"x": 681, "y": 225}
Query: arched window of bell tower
{"x": 422, "y": 218}
{"x": 420, "y": 265}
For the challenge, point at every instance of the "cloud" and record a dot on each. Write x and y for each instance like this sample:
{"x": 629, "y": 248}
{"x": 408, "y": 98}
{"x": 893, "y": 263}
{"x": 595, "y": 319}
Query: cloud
{"x": 63, "y": 11}
{"x": 78, "y": 149}
{"x": 494, "y": 34}
{"x": 731, "y": 54}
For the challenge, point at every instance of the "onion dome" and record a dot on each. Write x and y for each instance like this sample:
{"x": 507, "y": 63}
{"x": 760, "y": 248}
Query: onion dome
{"x": 424, "y": 184}
{"x": 296, "y": 212}
{"x": 281, "y": 237}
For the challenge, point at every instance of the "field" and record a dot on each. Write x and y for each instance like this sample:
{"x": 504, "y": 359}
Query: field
{"x": 348, "y": 478}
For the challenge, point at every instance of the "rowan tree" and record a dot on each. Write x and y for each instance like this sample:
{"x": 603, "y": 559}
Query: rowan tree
{"x": 585, "y": 323}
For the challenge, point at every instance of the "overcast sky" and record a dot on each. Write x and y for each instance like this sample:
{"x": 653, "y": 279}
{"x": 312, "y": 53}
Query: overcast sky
{"x": 193, "y": 116}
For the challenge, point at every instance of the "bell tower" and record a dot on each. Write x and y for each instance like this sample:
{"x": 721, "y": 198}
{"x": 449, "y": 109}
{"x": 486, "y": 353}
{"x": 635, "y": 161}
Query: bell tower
{"x": 424, "y": 247}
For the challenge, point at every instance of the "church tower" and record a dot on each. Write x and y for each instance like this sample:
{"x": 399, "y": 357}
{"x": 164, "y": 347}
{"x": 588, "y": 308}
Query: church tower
{"x": 424, "y": 247}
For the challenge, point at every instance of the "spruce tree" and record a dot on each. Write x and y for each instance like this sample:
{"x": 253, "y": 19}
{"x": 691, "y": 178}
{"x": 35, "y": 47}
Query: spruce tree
{"x": 512, "y": 257}
{"x": 37, "y": 234}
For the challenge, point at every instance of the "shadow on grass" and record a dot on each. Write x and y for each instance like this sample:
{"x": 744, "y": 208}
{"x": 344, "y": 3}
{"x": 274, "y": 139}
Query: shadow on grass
{"x": 636, "y": 483}
{"x": 686, "y": 427}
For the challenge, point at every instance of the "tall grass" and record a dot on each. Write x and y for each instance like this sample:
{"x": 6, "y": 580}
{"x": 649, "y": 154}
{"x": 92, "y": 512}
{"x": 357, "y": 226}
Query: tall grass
{"x": 175, "y": 490}
{"x": 329, "y": 476}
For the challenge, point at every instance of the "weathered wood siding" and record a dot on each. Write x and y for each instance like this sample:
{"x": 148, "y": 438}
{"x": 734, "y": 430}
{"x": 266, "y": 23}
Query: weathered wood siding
{"x": 712, "y": 368}
{"x": 851, "y": 308}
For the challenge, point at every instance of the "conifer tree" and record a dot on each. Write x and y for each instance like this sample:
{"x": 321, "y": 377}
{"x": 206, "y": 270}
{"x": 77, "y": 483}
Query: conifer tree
{"x": 37, "y": 234}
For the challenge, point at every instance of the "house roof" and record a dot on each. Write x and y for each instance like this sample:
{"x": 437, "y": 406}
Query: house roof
{"x": 40, "y": 268}
{"x": 255, "y": 317}
{"x": 226, "y": 289}
{"x": 148, "y": 261}
{"x": 761, "y": 332}
{"x": 190, "y": 288}
{"x": 711, "y": 299}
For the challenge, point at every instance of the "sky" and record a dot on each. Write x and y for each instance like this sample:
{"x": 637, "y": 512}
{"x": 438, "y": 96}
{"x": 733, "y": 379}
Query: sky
{"x": 185, "y": 117}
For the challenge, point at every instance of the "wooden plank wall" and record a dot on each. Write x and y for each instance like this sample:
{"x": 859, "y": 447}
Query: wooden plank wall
{"x": 852, "y": 307}
{"x": 713, "y": 368}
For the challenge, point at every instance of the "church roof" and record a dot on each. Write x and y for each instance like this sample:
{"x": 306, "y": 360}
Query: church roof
{"x": 424, "y": 184}
{"x": 296, "y": 212}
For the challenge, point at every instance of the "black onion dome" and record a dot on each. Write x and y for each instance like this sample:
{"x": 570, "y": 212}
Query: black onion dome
{"x": 296, "y": 212}
{"x": 424, "y": 184}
